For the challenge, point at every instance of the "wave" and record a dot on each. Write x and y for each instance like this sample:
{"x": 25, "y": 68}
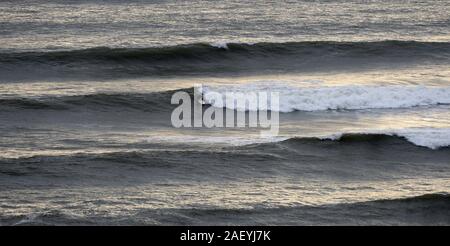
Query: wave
{"x": 436, "y": 197}
{"x": 155, "y": 148}
{"x": 432, "y": 138}
{"x": 331, "y": 97}
{"x": 429, "y": 138}
{"x": 200, "y": 58}
{"x": 204, "y": 51}
{"x": 154, "y": 101}
{"x": 427, "y": 209}
{"x": 290, "y": 98}
{"x": 426, "y": 140}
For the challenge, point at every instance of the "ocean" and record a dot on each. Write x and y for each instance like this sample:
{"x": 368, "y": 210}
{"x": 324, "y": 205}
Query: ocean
{"x": 86, "y": 136}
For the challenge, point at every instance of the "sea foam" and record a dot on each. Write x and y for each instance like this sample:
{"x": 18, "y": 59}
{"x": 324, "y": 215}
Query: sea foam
{"x": 335, "y": 97}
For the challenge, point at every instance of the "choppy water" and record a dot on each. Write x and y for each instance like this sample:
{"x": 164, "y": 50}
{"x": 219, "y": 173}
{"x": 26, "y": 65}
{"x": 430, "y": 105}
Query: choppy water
{"x": 86, "y": 136}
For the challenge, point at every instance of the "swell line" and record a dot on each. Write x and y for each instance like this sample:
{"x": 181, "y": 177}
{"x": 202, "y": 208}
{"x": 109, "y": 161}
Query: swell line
{"x": 202, "y": 58}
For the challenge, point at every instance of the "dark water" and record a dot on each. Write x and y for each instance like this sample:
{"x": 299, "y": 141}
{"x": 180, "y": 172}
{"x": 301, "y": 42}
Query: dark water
{"x": 85, "y": 113}
{"x": 422, "y": 210}
{"x": 212, "y": 60}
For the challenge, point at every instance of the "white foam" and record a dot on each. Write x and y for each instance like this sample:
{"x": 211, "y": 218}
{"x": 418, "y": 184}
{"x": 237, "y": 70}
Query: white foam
{"x": 224, "y": 44}
{"x": 220, "y": 45}
{"x": 319, "y": 98}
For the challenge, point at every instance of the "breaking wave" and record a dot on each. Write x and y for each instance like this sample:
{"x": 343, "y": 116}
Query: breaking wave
{"x": 432, "y": 138}
{"x": 331, "y": 98}
{"x": 290, "y": 98}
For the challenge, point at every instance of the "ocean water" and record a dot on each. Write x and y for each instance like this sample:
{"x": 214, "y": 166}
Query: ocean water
{"x": 85, "y": 114}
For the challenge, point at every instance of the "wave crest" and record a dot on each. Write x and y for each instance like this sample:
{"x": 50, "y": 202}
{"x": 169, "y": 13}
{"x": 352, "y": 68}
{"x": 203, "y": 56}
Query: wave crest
{"x": 334, "y": 98}
{"x": 432, "y": 138}
{"x": 291, "y": 98}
